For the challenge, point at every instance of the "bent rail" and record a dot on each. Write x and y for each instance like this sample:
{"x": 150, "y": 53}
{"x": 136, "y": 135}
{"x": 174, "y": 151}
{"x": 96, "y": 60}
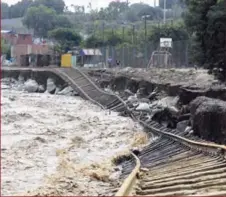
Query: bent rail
{"x": 184, "y": 140}
{"x": 130, "y": 181}
{"x": 102, "y": 91}
{"x": 89, "y": 90}
{"x": 129, "y": 184}
{"x": 58, "y": 71}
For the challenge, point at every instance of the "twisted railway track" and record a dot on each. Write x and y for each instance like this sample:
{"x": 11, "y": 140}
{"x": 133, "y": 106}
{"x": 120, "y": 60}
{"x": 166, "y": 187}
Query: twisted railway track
{"x": 89, "y": 90}
{"x": 177, "y": 163}
{"x": 86, "y": 88}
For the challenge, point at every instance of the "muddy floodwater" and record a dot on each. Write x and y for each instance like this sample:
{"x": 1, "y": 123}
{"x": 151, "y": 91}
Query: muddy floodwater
{"x": 59, "y": 145}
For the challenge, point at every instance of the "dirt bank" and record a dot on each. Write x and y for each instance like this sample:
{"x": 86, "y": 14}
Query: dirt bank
{"x": 186, "y": 83}
{"x": 190, "y": 77}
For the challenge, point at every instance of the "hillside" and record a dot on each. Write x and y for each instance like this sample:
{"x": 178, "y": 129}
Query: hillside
{"x": 15, "y": 24}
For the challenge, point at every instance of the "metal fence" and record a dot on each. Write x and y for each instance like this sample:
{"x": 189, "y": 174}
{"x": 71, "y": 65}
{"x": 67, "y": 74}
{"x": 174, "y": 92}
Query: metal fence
{"x": 140, "y": 56}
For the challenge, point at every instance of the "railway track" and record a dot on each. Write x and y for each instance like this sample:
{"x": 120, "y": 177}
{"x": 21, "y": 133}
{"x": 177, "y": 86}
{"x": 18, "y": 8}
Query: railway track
{"x": 89, "y": 90}
{"x": 177, "y": 163}
{"x": 174, "y": 165}
{"x": 86, "y": 88}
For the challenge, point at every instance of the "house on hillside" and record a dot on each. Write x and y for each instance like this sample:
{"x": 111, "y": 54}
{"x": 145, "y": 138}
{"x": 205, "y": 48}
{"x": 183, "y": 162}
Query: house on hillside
{"x": 24, "y": 45}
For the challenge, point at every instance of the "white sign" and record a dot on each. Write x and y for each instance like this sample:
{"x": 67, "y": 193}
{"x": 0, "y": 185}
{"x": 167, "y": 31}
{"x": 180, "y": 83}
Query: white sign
{"x": 166, "y": 42}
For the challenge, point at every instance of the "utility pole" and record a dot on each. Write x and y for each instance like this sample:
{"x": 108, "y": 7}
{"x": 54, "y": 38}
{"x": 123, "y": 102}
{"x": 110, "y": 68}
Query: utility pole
{"x": 172, "y": 23}
{"x": 145, "y": 28}
{"x": 133, "y": 32}
{"x": 145, "y": 37}
{"x": 164, "y": 12}
{"x": 103, "y": 31}
{"x": 94, "y": 30}
{"x": 123, "y": 32}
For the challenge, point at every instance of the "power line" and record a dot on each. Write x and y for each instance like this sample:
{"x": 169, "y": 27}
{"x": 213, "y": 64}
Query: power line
{"x": 164, "y": 12}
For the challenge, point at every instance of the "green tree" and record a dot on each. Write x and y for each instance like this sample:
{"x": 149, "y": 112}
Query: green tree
{"x": 206, "y": 22}
{"x": 113, "y": 11}
{"x": 131, "y": 16}
{"x": 216, "y": 38}
{"x": 154, "y": 13}
{"x": 78, "y": 9}
{"x": 171, "y": 3}
{"x": 42, "y": 19}
{"x": 116, "y": 8}
{"x": 196, "y": 21}
{"x": 114, "y": 39}
{"x": 177, "y": 32}
{"x": 93, "y": 42}
{"x": 57, "y": 5}
{"x": 102, "y": 14}
{"x": 19, "y": 9}
{"x": 5, "y": 13}
{"x": 66, "y": 38}
{"x": 5, "y": 48}
{"x": 138, "y": 7}
{"x": 62, "y": 21}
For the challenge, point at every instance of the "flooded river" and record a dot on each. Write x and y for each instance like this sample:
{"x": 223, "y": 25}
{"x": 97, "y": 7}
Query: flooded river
{"x": 59, "y": 145}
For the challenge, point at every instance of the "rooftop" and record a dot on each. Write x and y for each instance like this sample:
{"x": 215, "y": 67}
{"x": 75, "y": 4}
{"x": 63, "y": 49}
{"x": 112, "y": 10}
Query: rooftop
{"x": 90, "y": 52}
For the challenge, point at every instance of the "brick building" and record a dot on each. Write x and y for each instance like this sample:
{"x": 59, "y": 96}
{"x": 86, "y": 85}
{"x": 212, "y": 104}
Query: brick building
{"x": 9, "y": 36}
{"x": 24, "y": 46}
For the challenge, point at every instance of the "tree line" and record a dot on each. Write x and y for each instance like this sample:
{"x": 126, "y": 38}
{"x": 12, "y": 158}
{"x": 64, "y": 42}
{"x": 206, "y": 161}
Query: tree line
{"x": 19, "y": 9}
{"x": 205, "y": 22}
{"x": 118, "y": 23}
{"x": 202, "y": 22}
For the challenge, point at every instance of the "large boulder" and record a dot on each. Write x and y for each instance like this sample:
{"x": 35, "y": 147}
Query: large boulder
{"x": 51, "y": 86}
{"x": 31, "y": 86}
{"x": 21, "y": 79}
{"x": 208, "y": 119}
{"x": 68, "y": 91}
{"x": 41, "y": 89}
{"x": 165, "y": 111}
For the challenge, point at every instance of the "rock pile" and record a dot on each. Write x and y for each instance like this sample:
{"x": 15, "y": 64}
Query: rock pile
{"x": 163, "y": 111}
{"x": 51, "y": 86}
{"x": 32, "y": 86}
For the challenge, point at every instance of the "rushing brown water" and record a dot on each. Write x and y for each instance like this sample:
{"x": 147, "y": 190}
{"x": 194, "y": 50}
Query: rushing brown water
{"x": 59, "y": 145}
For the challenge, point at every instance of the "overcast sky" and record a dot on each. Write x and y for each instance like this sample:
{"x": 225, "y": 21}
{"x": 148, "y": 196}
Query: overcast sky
{"x": 95, "y": 3}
